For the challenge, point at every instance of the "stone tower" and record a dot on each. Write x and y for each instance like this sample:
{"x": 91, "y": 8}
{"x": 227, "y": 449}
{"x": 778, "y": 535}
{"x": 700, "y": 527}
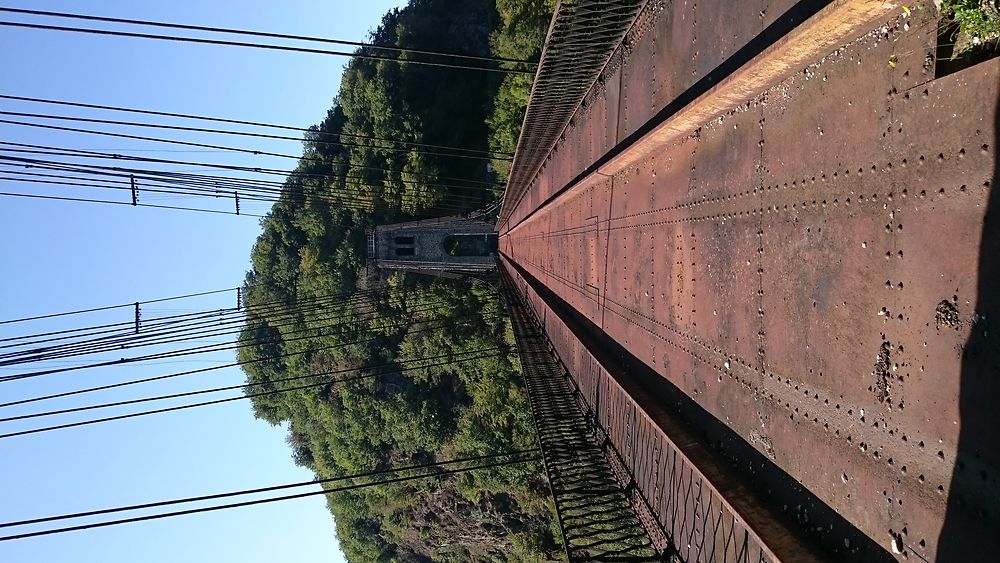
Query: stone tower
{"x": 435, "y": 246}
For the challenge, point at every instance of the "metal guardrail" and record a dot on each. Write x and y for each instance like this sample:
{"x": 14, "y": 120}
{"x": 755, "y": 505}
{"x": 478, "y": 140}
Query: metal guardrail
{"x": 686, "y": 503}
{"x": 582, "y": 37}
{"x": 596, "y": 518}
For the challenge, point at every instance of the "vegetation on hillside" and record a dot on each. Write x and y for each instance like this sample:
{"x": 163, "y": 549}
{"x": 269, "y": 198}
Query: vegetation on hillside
{"x": 312, "y": 250}
{"x": 971, "y": 24}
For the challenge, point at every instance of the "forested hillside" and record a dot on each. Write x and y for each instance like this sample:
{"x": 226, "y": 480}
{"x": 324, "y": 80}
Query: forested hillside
{"x": 313, "y": 308}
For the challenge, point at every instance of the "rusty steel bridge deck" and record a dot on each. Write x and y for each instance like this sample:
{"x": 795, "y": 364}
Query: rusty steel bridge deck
{"x": 796, "y": 298}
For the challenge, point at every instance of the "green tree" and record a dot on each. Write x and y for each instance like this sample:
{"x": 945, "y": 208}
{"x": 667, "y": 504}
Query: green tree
{"x": 310, "y": 316}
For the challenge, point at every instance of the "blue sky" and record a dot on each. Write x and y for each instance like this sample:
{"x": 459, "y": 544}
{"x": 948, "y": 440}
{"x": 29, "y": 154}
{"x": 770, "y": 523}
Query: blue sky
{"x": 60, "y": 256}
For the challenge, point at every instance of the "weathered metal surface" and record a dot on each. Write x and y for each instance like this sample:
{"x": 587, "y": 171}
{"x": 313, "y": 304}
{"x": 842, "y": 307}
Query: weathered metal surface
{"x": 674, "y": 479}
{"x": 715, "y": 52}
{"x": 809, "y": 270}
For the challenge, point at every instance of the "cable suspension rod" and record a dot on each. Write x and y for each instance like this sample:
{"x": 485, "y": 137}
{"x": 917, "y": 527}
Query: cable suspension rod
{"x": 289, "y": 48}
{"x": 200, "y": 350}
{"x": 456, "y": 358}
{"x": 109, "y": 307}
{"x": 324, "y": 491}
{"x": 81, "y": 153}
{"x": 245, "y": 396}
{"x": 313, "y": 130}
{"x": 194, "y": 371}
{"x": 271, "y": 35}
{"x": 163, "y": 337}
{"x": 204, "y": 145}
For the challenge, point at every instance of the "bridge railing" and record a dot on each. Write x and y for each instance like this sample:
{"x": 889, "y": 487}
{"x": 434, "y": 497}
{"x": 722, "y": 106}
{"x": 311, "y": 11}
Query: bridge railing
{"x": 596, "y": 519}
{"x": 703, "y": 514}
{"x": 582, "y": 38}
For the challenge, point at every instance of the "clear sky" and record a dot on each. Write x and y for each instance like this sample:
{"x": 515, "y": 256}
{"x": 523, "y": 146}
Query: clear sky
{"x": 57, "y": 256}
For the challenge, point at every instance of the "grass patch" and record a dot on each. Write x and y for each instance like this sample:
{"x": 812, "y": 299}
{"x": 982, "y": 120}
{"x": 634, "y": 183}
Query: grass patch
{"x": 971, "y": 24}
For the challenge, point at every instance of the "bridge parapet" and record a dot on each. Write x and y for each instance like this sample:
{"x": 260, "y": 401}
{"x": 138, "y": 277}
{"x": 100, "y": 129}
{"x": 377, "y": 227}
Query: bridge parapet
{"x": 675, "y": 484}
{"x": 582, "y": 37}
